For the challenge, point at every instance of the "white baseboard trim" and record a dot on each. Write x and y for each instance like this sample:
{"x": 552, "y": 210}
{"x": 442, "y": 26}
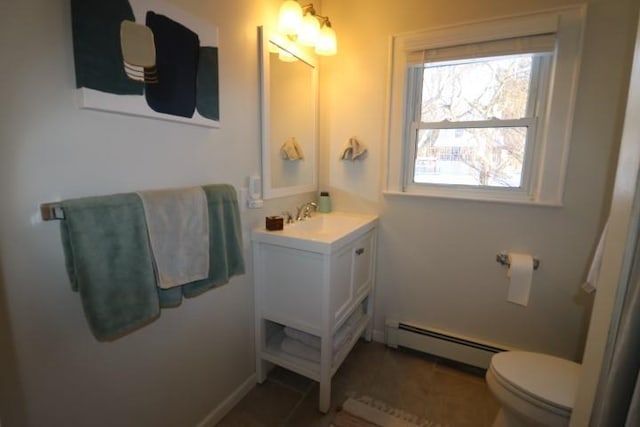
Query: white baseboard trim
{"x": 222, "y": 409}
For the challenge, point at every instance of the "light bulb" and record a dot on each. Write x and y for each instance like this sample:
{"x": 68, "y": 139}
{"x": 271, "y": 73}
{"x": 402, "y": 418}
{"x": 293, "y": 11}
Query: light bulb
{"x": 290, "y": 18}
{"x": 327, "y": 43}
{"x": 309, "y": 30}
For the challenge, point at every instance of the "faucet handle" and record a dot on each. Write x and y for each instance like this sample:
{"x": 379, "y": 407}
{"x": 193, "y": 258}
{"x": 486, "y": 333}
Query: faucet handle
{"x": 288, "y": 218}
{"x": 311, "y": 206}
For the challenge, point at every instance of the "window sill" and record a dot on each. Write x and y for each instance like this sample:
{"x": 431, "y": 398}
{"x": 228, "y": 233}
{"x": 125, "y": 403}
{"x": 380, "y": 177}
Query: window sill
{"x": 510, "y": 199}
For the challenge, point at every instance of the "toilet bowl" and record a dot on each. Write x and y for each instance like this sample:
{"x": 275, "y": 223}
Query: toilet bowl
{"x": 533, "y": 389}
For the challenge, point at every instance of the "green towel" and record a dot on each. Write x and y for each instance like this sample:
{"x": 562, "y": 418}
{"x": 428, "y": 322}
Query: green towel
{"x": 171, "y": 297}
{"x": 225, "y": 241}
{"x": 109, "y": 262}
{"x": 108, "y": 258}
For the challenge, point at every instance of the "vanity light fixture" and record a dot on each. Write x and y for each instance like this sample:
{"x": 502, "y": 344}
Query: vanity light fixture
{"x": 290, "y": 18}
{"x": 327, "y": 43}
{"x": 303, "y": 25}
{"x": 309, "y": 29}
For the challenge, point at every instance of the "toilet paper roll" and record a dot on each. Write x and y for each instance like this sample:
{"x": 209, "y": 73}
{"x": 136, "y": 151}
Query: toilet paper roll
{"x": 520, "y": 274}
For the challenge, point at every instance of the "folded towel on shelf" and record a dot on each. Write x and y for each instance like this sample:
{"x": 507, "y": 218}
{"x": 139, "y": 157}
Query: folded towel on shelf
{"x": 303, "y": 351}
{"x": 354, "y": 150}
{"x": 108, "y": 261}
{"x": 299, "y": 349}
{"x": 178, "y": 227}
{"x": 303, "y": 337}
{"x": 348, "y": 329}
{"x": 340, "y": 338}
{"x": 589, "y": 285}
{"x": 291, "y": 150}
{"x": 226, "y": 252}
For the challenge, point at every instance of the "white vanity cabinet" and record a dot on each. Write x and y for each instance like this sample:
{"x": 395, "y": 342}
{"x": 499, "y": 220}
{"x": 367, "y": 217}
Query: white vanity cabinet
{"x": 313, "y": 279}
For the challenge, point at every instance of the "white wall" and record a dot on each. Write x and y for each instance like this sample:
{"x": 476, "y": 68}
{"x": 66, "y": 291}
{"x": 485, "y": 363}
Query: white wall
{"x": 177, "y": 369}
{"x": 436, "y": 262}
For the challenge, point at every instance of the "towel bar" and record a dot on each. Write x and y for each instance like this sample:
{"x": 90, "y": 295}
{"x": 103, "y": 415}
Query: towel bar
{"x": 51, "y": 211}
{"x": 504, "y": 260}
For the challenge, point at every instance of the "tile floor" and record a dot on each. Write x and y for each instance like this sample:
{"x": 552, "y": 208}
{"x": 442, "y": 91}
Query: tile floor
{"x": 414, "y": 382}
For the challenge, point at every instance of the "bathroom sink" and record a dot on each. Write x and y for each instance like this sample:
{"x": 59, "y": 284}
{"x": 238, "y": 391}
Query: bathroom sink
{"x": 326, "y": 224}
{"x": 320, "y": 233}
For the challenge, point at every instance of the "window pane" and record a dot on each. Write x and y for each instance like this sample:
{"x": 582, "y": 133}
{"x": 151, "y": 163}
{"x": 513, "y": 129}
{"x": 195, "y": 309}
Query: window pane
{"x": 478, "y": 89}
{"x": 472, "y": 156}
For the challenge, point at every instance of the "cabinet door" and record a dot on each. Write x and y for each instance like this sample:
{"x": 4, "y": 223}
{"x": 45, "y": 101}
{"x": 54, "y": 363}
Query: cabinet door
{"x": 291, "y": 286}
{"x": 341, "y": 289}
{"x": 363, "y": 253}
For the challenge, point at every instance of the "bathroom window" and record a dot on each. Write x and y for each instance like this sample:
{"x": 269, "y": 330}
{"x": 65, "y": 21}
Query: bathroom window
{"x": 483, "y": 111}
{"x": 475, "y": 119}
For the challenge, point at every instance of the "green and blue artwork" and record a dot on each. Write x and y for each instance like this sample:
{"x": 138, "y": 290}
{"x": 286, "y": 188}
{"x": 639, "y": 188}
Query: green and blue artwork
{"x": 160, "y": 63}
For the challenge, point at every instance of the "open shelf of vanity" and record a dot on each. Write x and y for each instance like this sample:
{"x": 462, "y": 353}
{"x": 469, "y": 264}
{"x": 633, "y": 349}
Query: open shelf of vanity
{"x": 321, "y": 288}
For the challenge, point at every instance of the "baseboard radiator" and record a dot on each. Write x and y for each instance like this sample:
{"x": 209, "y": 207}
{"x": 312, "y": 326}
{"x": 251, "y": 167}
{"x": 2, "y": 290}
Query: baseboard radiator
{"x": 440, "y": 343}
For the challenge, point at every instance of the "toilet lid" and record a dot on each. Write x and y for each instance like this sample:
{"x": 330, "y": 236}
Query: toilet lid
{"x": 547, "y": 378}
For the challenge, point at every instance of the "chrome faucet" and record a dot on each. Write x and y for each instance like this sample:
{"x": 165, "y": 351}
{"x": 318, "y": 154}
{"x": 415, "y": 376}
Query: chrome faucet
{"x": 304, "y": 211}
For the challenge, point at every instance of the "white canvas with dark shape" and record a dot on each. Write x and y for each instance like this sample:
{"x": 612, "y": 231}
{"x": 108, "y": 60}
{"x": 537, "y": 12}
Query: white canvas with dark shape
{"x": 146, "y": 58}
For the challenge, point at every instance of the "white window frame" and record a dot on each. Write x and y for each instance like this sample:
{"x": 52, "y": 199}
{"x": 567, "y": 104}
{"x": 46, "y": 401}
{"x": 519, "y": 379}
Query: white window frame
{"x": 547, "y": 155}
{"x": 536, "y": 104}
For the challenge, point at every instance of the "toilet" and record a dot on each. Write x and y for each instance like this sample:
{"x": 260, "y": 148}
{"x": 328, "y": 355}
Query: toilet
{"x": 533, "y": 389}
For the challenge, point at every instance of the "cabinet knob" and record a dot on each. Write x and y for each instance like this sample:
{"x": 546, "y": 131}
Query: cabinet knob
{"x": 359, "y": 251}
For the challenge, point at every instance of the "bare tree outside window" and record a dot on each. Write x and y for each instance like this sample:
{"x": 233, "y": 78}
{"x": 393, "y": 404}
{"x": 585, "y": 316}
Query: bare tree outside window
{"x": 469, "y": 132}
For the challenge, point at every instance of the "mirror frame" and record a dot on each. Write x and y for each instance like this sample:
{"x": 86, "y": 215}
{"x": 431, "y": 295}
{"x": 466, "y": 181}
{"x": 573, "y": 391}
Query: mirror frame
{"x": 270, "y": 192}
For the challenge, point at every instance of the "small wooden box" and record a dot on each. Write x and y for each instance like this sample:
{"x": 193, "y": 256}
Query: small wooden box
{"x": 273, "y": 223}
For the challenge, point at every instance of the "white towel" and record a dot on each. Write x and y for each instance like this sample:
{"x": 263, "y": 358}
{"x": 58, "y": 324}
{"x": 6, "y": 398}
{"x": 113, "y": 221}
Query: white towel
{"x": 303, "y": 351}
{"x": 340, "y": 338}
{"x": 291, "y": 150}
{"x": 299, "y": 349}
{"x": 178, "y": 225}
{"x": 303, "y": 337}
{"x": 594, "y": 271}
{"x": 354, "y": 150}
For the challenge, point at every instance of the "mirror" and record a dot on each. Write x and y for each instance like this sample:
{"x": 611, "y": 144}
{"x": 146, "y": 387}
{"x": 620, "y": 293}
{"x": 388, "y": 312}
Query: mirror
{"x": 289, "y": 81}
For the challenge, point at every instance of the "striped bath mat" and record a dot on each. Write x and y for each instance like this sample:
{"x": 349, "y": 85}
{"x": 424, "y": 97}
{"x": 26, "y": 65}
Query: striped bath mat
{"x": 367, "y": 412}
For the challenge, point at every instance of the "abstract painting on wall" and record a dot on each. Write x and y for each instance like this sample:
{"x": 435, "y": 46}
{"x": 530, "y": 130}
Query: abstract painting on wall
{"x": 146, "y": 58}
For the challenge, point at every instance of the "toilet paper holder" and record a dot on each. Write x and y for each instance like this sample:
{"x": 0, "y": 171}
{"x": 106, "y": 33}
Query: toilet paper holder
{"x": 504, "y": 260}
